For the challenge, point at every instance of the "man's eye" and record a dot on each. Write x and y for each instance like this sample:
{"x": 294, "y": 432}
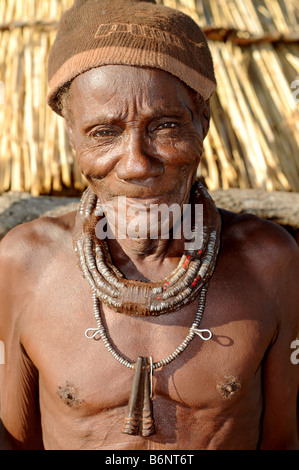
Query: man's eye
{"x": 168, "y": 125}
{"x": 102, "y": 133}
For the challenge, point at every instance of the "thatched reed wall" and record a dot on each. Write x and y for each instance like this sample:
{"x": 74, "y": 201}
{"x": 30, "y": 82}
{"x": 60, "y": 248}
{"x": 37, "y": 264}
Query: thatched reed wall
{"x": 254, "y": 135}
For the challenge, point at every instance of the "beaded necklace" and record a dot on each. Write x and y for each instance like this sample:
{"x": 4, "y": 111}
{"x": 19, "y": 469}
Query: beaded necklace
{"x": 146, "y": 298}
{"x": 188, "y": 281}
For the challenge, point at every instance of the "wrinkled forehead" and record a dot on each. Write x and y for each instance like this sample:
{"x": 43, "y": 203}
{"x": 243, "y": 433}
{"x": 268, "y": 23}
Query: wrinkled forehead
{"x": 120, "y": 83}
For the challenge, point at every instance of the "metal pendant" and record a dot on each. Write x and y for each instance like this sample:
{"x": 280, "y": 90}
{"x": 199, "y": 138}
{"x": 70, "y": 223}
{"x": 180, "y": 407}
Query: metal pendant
{"x": 140, "y": 420}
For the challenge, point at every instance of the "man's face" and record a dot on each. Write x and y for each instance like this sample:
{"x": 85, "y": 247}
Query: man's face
{"x": 136, "y": 133}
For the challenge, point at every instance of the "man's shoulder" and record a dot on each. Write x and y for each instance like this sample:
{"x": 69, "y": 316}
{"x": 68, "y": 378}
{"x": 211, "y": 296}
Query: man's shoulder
{"x": 257, "y": 236}
{"x": 23, "y": 245}
{"x": 266, "y": 252}
{"x": 267, "y": 256}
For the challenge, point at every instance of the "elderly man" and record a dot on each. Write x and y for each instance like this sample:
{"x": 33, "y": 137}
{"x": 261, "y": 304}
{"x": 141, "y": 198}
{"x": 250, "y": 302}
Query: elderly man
{"x": 118, "y": 340}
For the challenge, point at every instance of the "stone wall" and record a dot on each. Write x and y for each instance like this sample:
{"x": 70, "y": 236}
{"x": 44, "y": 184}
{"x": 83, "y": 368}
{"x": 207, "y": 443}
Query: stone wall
{"x": 279, "y": 207}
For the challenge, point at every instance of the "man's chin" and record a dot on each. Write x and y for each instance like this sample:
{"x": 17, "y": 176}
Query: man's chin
{"x": 145, "y": 202}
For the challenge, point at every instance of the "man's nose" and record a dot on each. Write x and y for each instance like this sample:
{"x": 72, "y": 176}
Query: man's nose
{"x": 139, "y": 160}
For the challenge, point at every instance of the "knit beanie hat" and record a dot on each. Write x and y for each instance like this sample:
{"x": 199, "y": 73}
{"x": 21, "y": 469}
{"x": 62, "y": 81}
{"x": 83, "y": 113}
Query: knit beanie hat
{"x": 93, "y": 33}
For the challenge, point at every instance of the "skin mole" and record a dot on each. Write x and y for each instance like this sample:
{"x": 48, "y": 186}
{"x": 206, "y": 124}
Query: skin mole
{"x": 229, "y": 388}
{"x": 69, "y": 395}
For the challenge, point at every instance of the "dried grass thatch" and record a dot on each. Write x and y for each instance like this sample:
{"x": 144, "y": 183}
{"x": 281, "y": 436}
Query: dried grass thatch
{"x": 253, "y": 140}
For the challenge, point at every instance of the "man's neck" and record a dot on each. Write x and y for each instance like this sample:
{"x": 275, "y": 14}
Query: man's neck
{"x": 146, "y": 258}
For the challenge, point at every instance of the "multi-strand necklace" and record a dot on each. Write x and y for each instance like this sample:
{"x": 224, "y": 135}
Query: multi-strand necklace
{"x": 187, "y": 282}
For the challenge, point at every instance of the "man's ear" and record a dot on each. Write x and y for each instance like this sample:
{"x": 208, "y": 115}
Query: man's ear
{"x": 206, "y": 117}
{"x": 70, "y": 132}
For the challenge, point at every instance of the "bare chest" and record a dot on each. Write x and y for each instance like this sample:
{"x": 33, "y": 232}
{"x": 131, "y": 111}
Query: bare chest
{"x": 214, "y": 384}
{"x": 208, "y": 384}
